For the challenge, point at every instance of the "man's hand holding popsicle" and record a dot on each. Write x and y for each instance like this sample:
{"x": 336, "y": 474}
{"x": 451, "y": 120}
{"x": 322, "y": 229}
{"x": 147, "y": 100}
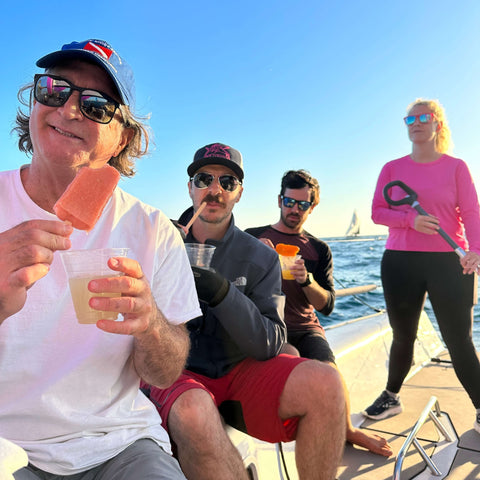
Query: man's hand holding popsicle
{"x": 82, "y": 204}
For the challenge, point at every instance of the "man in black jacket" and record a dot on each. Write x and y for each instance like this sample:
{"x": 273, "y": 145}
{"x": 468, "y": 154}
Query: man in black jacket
{"x": 234, "y": 361}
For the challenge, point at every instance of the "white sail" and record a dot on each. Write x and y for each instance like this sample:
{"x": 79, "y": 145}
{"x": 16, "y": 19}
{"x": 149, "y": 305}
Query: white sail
{"x": 354, "y": 227}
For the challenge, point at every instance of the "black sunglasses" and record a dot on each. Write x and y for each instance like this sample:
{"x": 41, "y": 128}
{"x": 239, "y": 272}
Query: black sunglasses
{"x": 54, "y": 91}
{"x": 303, "y": 205}
{"x": 203, "y": 180}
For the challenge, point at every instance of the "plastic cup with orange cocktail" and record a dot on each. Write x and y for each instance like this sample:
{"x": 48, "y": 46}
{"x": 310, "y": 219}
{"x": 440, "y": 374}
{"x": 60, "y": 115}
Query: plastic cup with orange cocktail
{"x": 288, "y": 255}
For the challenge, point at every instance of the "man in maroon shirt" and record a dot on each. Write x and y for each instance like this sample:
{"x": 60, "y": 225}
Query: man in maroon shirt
{"x": 312, "y": 287}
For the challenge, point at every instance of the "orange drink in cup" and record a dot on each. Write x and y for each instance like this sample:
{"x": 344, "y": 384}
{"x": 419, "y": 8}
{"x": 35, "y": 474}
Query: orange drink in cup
{"x": 288, "y": 255}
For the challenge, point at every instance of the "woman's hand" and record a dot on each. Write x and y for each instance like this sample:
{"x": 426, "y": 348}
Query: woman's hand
{"x": 470, "y": 263}
{"x": 427, "y": 224}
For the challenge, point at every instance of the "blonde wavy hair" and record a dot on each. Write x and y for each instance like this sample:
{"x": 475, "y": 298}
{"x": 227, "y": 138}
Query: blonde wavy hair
{"x": 124, "y": 162}
{"x": 443, "y": 141}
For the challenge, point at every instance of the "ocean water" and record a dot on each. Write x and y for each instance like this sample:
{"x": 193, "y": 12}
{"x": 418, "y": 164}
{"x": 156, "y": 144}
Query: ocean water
{"x": 357, "y": 262}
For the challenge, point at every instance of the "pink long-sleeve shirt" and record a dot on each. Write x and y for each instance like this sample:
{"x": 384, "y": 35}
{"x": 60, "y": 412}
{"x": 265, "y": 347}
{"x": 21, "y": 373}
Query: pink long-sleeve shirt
{"x": 445, "y": 189}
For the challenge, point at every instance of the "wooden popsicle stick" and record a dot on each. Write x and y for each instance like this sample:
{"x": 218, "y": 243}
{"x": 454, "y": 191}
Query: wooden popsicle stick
{"x": 195, "y": 215}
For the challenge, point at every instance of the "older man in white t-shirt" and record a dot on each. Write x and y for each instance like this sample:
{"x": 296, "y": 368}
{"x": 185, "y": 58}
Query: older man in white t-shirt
{"x": 69, "y": 392}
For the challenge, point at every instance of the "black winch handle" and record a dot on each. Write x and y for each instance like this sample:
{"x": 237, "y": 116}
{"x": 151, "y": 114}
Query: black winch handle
{"x": 411, "y": 199}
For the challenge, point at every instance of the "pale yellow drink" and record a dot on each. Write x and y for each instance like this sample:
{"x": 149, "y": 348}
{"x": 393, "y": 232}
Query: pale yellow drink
{"x": 81, "y": 267}
{"x": 81, "y": 295}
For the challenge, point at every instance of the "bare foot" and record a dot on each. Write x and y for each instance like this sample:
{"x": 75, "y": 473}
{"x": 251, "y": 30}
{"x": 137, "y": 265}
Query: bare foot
{"x": 372, "y": 442}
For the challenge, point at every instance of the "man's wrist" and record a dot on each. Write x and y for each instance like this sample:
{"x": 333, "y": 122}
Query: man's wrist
{"x": 308, "y": 281}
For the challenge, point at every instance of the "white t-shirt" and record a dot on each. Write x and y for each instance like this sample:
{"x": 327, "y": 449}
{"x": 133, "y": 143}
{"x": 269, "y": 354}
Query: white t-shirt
{"x": 68, "y": 392}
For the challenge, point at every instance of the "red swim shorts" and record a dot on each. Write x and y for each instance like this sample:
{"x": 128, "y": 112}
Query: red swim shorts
{"x": 255, "y": 386}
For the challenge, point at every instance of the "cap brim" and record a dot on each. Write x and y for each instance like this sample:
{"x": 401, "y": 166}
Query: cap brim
{"x": 54, "y": 58}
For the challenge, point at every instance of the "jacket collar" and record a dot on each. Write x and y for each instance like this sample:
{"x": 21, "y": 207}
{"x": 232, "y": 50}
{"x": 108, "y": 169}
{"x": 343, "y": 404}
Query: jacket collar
{"x": 188, "y": 214}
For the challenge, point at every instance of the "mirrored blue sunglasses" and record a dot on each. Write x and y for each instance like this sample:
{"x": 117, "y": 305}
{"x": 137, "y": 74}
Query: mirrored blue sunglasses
{"x": 423, "y": 118}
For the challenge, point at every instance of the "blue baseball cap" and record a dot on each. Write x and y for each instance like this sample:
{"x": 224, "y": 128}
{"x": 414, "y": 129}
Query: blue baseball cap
{"x": 101, "y": 53}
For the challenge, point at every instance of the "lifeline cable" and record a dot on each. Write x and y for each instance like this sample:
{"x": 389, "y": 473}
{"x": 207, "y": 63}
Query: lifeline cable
{"x": 280, "y": 449}
{"x": 375, "y": 309}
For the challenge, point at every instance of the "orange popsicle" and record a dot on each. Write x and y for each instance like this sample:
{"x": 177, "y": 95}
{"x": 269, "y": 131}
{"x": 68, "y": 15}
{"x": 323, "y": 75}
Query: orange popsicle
{"x": 287, "y": 250}
{"x": 85, "y": 198}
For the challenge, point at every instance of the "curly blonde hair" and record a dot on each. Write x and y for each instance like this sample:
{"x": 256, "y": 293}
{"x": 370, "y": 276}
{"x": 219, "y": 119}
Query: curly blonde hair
{"x": 124, "y": 162}
{"x": 443, "y": 141}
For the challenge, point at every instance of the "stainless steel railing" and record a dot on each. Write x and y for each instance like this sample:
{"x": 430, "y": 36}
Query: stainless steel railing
{"x": 428, "y": 412}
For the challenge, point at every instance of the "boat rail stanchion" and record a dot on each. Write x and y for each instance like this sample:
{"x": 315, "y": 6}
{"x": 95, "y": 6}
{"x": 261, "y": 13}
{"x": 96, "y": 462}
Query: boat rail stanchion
{"x": 433, "y": 468}
{"x": 412, "y": 438}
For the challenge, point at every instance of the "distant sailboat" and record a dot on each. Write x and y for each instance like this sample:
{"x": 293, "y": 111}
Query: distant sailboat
{"x": 354, "y": 227}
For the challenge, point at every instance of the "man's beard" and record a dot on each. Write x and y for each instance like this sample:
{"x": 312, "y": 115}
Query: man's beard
{"x": 291, "y": 221}
{"x": 215, "y": 199}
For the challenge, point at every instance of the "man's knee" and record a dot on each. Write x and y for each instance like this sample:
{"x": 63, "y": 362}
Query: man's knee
{"x": 192, "y": 412}
{"x": 328, "y": 381}
{"x": 313, "y": 383}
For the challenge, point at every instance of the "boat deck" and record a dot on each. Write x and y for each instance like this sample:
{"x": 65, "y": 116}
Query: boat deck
{"x": 436, "y": 379}
{"x": 362, "y": 349}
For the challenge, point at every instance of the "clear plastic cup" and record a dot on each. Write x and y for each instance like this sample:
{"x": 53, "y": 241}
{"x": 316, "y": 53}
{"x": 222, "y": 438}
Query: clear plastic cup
{"x": 200, "y": 254}
{"x": 82, "y": 266}
{"x": 286, "y": 263}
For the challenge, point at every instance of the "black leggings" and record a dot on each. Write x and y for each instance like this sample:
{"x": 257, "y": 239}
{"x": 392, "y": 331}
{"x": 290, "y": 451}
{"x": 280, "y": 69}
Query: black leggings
{"x": 406, "y": 278}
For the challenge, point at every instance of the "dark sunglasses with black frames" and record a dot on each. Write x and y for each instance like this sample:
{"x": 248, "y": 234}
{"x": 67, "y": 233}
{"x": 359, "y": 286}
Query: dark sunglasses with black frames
{"x": 203, "y": 180}
{"x": 54, "y": 91}
{"x": 289, "y": 202}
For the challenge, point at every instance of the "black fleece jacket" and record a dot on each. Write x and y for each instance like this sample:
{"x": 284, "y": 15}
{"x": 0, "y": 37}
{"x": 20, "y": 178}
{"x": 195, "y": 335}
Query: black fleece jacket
{"x": 248, "y": 322}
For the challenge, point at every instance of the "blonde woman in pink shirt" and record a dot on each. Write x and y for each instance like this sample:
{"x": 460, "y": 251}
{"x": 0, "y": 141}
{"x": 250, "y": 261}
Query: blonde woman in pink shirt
{"x": 417, "y": 260}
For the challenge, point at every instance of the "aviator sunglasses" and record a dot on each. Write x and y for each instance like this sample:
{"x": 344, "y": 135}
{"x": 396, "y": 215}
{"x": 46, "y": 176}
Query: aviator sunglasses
{"x": 303, "y": 205}
{"x": 423, "y": 118}
{"x": 54, "y": 91}
{"x": 203, "y": 180}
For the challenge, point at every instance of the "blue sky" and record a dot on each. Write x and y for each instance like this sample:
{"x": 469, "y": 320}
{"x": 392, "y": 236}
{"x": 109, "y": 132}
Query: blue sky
{"x": 291, "y": 84}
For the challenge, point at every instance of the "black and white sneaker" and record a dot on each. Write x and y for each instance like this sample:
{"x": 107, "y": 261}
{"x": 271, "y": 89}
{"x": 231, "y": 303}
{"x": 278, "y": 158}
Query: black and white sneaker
{"x": 384, "y": 406}
{"x": 476, "y": 425}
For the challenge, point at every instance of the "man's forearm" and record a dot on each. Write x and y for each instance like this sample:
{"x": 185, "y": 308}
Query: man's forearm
{"x": 161, "y": 353}
{"x": 318, "y": 296}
